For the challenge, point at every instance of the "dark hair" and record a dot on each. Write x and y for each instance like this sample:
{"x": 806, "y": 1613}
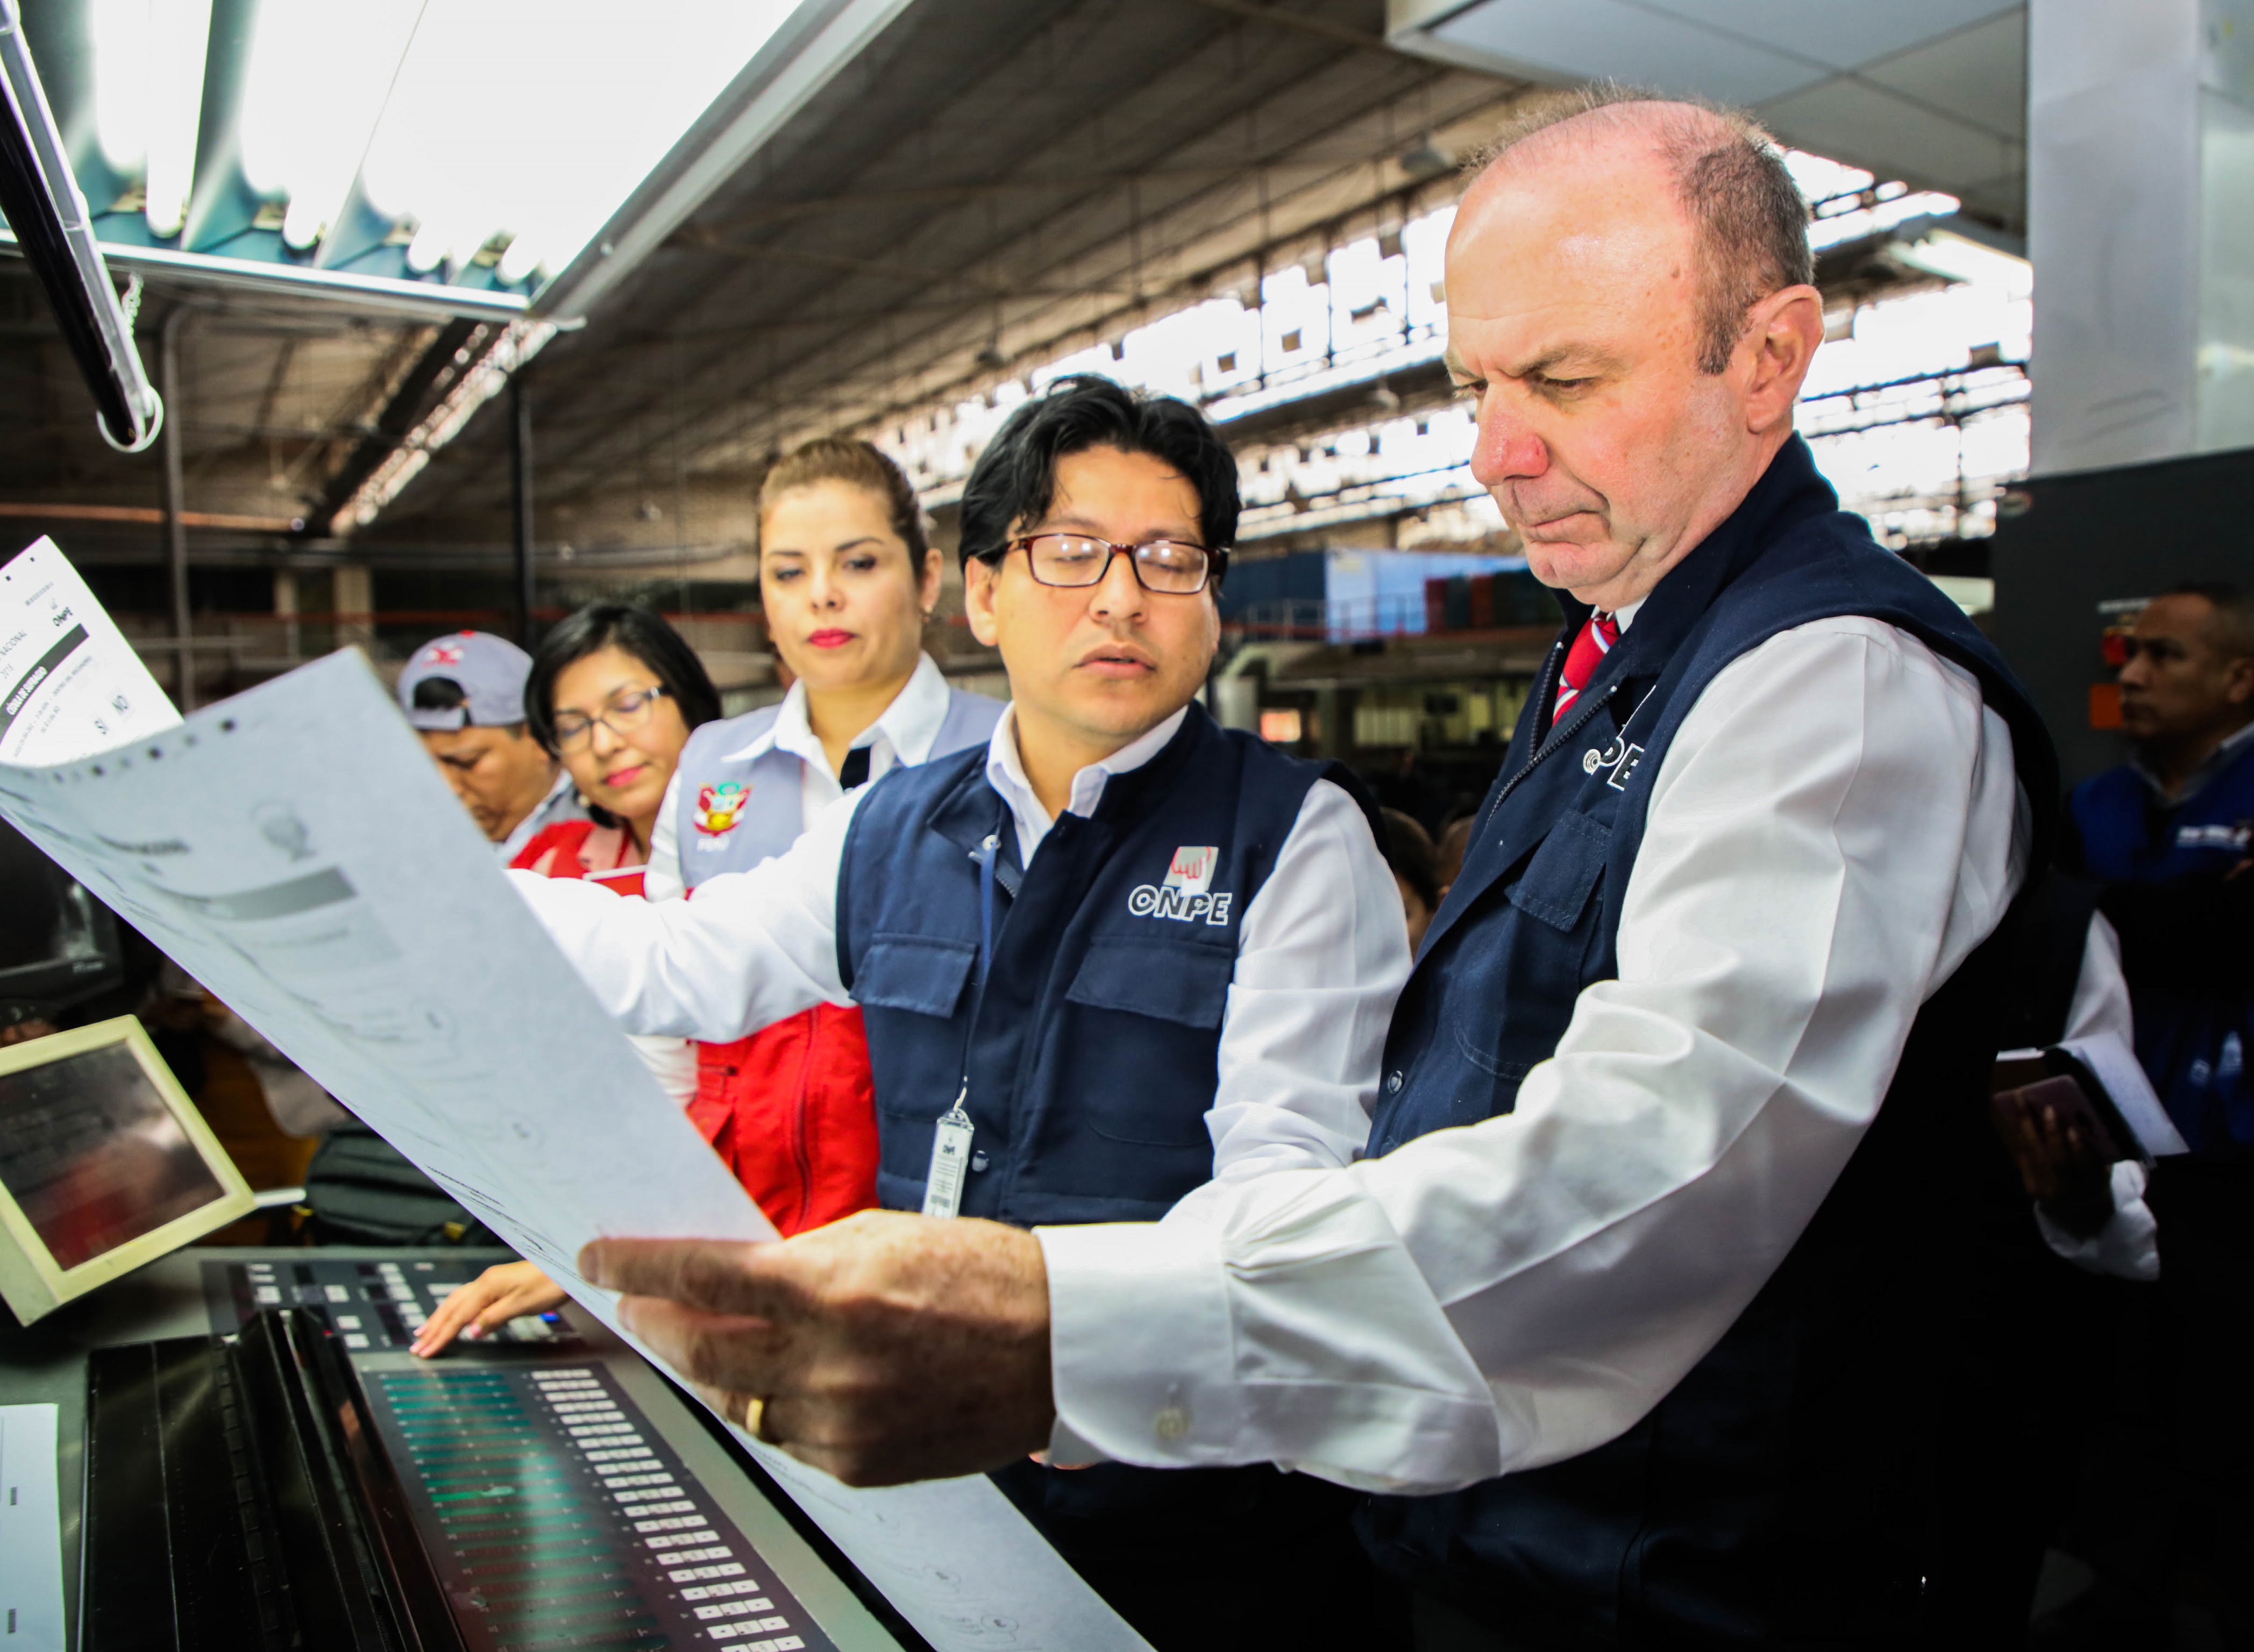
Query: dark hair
{"x": 1409, "y": 851}
{"x": 641, "y": 633}
{"x": 1746, "y": 212}
{"x": 1015, "y": 478}
{"x": 2231, "y": 627}
{"x": 444, "y": 693}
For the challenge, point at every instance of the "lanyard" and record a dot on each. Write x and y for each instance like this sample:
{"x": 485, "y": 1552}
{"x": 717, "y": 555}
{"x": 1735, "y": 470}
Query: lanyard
{"x": 950, "y": 1139}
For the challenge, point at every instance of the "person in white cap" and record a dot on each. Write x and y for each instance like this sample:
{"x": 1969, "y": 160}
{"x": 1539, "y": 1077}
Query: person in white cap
{"x": 465, "y": 695}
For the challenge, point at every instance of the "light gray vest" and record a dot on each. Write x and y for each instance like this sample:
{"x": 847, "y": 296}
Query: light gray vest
{"x": 733, "y": 813}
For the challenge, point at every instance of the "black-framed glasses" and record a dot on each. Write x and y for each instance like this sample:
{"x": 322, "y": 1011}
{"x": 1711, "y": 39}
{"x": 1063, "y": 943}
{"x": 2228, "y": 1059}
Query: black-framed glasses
{"x": 622, "y": 714}
{"x": 1170, "y": 567}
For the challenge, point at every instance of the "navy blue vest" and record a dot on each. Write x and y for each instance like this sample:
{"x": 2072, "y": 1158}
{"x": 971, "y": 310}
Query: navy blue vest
{"x": 1092, "y": 1053}
{"x": 2193, "y": 1044}
{"x": 1777, "y": 1492}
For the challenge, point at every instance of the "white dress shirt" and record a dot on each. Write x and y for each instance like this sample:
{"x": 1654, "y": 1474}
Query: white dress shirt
{"x": 1833, "y": 830}
{"x": 902, "y": 733}
{"x": 2128, "y": 1246}
{"x": 1321, "y": 954}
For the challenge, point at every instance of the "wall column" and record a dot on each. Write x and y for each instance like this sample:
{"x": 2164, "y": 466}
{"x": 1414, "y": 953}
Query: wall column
{"x": 2140, "y": 214}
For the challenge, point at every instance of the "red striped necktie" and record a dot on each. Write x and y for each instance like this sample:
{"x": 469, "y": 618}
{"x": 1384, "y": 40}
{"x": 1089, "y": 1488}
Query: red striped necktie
{"x": 1598, "y": 634}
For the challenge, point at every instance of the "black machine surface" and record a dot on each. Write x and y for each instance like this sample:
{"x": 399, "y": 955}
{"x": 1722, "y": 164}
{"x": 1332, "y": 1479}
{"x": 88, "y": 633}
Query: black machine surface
{"x": 250, "y": 1481}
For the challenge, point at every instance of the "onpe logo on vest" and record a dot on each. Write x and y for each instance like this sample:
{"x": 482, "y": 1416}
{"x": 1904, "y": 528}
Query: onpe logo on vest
{"x": 2237, "y": 836}
{"x": 1186, "y": 894}
{"x": 718, "y": 808}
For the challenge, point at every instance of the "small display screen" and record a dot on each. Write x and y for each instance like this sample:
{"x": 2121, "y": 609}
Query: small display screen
{"x": 93, "y": 1157}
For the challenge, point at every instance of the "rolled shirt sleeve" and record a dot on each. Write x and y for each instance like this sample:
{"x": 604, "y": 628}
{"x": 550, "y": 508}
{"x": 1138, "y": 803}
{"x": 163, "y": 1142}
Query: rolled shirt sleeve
{"x": 1836, "y": 826}
{"x": 1321, "y": 956}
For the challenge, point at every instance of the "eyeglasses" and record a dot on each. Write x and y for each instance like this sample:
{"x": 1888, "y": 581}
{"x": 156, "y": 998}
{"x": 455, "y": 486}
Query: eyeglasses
{"x": 1171, "y": 567}
{"x": 622, "y": 714}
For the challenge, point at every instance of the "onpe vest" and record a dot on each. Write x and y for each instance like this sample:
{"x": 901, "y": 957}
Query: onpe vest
{"x": 1092, "y": 1051}
{"x": 2193, "y": 1043}
{"x": 1780, "y": 1492}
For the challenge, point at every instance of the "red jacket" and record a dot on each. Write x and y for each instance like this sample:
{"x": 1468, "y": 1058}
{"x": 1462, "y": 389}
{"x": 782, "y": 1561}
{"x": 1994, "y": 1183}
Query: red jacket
{"x": 581, "y": 848}
{"x": 792, "y": 1109}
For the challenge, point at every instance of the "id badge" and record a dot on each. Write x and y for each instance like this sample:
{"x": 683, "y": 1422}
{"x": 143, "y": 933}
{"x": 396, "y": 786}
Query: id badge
{"x": 950, "y": 1162}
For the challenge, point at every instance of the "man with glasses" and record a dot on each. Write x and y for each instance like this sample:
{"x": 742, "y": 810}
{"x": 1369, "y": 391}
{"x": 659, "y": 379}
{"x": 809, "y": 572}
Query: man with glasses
{"x": 1114, "y": 955}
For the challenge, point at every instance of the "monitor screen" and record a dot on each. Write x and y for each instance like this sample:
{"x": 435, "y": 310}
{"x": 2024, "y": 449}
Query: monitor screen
{"x": 58, "y": 944}
{"x": 94, "y": 1158}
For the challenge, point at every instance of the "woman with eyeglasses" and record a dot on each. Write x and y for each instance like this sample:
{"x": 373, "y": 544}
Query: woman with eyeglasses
{"x": 614, "y": 693}
{"x": 847, "y": 582}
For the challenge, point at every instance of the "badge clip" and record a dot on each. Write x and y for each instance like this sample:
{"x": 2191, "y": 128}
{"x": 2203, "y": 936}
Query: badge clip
{"x": 950, "y": 1160}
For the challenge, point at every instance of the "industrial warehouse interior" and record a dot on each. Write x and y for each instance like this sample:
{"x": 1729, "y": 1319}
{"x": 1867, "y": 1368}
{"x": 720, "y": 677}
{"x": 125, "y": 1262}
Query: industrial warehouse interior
{"x": 647, "y": 1001}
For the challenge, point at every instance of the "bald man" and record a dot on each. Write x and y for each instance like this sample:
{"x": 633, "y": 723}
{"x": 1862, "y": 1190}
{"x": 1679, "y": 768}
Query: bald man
{"x": 1640, "y": 1309}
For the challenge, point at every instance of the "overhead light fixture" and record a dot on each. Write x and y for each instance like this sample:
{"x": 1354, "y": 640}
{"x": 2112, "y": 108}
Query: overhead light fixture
{"x": 177, "y": 33}
{"x": 48, "y": 214}
{"x": 468, "y": 152}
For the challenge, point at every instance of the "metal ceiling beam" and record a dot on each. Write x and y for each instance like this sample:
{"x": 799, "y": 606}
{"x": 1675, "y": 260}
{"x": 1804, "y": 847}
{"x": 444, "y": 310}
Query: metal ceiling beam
{"x": 886, "y": 268}
{"x": 1194, "y": 207}
{"x": 953, "y": 194}
{"x": 1338, "y": 33}
{"x": 416, "y": 392}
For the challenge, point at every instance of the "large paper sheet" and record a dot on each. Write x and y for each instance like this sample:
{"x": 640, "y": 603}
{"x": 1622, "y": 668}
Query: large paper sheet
{"x": 70, "y": 685}
{"x": 295, "y": 850}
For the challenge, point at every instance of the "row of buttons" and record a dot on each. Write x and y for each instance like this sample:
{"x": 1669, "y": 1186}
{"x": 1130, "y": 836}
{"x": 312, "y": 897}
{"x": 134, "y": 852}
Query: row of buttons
{"x": 667, "y": 1523}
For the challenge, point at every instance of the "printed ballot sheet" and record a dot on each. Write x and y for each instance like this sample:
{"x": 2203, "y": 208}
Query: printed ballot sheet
{"x": 72, "y": 685}
{"x": 295, "y": 850}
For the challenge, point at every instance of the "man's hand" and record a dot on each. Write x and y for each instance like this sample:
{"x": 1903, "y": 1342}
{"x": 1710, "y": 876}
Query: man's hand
{"x": 883, "y": 1348}
{"x": 2064, "y": 1172}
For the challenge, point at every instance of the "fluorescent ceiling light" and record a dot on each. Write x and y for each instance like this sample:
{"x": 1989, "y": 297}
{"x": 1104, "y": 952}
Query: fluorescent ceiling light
{"x": 176, "y": 31}
{"x": 475, "y": 144}
{"x": 318, "y": 77}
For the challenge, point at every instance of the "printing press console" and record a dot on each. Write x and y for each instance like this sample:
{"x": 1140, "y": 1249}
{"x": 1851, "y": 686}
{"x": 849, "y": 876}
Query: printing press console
{"x": 250, "y": 1459}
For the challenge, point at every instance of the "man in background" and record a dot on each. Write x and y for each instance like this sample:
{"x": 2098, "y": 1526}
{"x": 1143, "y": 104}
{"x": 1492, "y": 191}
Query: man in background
{"x": 2168, "y": 834}
{"x": 2169, "y": 837}
{"x": 465, "y": 695}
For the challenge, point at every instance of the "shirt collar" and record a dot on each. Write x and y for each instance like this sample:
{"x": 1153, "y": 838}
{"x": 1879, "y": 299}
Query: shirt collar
{"x": 1005, "y": 773}
{"x": 904, "y": 731}
{"x": 2215, "y": 761}
{"x": 544, "y": 815}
